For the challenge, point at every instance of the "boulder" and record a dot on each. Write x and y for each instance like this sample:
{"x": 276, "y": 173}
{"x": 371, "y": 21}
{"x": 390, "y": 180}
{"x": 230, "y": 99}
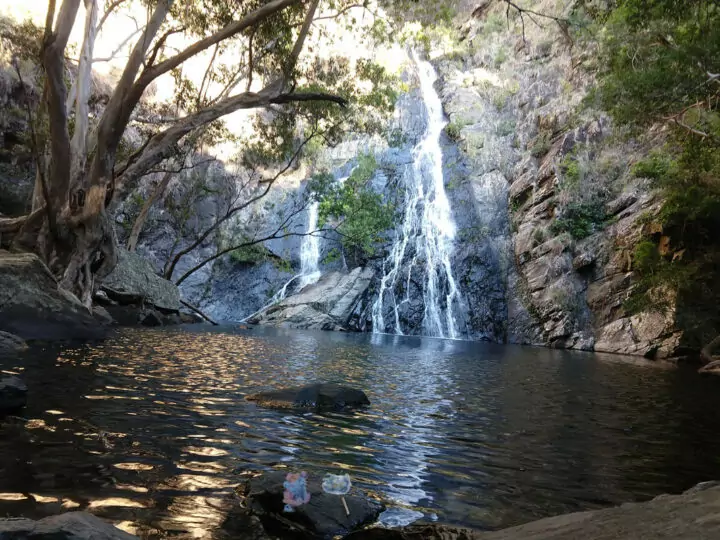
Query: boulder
{"x": 322, "y": 517}
{"x": 69, "y": 526}
{"x": 33, "y": 306}
{"x": 434, "y": 531}
{"x": 13, "y": 394}
{"x": 326, "y": 305}
{"x": 10, "y": 344}
{"x": 690, "y": 516}
{"x": 134, "y": 281}
{"x": 317, "y": 397}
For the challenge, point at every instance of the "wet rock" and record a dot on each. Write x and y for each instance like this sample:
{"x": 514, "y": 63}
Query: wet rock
{"x": 13, "y": 394}
{"x": 322, "y": 517}
{"x": 713, "y": 368}
{"x": 690, "y": 516}
{"x": 151, "y": 318}
{"x": 11, "y": 344}
{"x": 417, "y": 532}
{"x": 69, "y": 526}
{"x": 134, "y": 281}
{"x": 103, "y": 315}
{"x": 33, "y": 306}
{"x": 326, "y": 305}
{"x": 318, "y": 397}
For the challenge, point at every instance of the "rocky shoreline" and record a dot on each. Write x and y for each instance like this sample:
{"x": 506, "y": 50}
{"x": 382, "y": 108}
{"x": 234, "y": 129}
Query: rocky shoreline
{"x": 692, "y": 515}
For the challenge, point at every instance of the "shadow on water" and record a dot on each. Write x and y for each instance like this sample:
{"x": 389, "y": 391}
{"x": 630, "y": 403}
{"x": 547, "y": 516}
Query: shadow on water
{"x": 150, "y": 429}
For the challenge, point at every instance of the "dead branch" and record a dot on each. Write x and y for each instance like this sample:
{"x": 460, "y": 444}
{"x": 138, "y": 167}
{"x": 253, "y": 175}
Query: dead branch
{"x": 196, "y": 310}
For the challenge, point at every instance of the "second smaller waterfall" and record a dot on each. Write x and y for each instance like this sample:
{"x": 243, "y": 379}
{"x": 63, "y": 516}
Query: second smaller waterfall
{"x": 310, "y": 251}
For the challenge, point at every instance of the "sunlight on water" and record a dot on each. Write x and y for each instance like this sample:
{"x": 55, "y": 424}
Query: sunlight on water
{"x": 474, "y": 434}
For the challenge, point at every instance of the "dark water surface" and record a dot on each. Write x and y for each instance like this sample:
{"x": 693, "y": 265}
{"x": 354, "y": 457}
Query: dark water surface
{"x": 150, "y": 429}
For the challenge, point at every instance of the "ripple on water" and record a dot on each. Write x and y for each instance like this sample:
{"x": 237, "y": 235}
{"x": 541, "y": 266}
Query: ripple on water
{"x": 150, "y": 428}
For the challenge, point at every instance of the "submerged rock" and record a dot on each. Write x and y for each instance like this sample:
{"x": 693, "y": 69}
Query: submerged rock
{"x": 11, "y": 344}
{"x": 33, "y": 306}
{"x": 69, "y": 526}
{"x": 322, "y": 517}
{"x": 317, "y": 397}
{"x": 326, "y": 305}
{"x": 13, "y": 394}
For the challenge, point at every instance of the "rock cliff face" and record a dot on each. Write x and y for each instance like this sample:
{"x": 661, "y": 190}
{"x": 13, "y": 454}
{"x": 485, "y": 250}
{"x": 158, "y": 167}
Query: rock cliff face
{"x": 557, "y": 209}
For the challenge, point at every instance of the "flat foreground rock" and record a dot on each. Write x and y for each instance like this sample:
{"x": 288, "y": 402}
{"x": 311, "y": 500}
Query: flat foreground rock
{"x": 314, "y": 397}
{"x": 322, "y": 517}
{"x": 70, "y": 526}
{"x": 694, "y": 515}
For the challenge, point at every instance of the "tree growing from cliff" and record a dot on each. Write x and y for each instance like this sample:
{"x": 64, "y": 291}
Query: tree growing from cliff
{"x": 83, "y": 169}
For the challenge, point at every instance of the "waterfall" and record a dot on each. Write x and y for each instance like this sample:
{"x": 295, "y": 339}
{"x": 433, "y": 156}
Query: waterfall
{"x": 309, "y": 263}
{"x": 310, "y": 251}
{"x": 420, "y": 255}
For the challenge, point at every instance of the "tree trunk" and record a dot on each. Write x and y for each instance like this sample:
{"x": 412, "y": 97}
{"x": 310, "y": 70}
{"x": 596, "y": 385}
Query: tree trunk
{"x": 145, "y": 211}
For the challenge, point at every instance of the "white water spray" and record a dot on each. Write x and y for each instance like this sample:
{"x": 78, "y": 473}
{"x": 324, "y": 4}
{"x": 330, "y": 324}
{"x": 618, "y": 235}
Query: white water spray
{"x": 424, "y": 242}
{"x": 310, "y": 250}
{"x": 309, "y": 262}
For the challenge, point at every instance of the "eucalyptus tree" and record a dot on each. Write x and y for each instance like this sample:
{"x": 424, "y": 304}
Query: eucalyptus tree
{"x": 83, "y": 169}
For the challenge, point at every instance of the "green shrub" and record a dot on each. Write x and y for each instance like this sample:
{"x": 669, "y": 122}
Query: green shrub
{"x": 453, "y": 130}
{"x": 541, "y": 145}
{"x": 505, "y": 128}
{"x": 580, "y": 219}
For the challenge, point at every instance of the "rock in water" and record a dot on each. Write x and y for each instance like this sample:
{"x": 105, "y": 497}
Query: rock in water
{"x": 33, "y": 306}
{"x": 70, "y": 526}
{"x": 323, "y": 517}
{"x": 317, "y": 397}
{"x": 10, "y": 344}
{"x": 134, "y": 281}
{"x": 13, "y": 394}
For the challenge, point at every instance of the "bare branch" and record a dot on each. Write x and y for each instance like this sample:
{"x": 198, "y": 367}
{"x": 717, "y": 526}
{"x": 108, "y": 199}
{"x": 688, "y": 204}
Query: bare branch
{"x": 160, "y": 145}
{"x": 111, "y": 8}
{"x": 562, "y": 23}
{"x": 300, "y": 42}
{"x": 196, "y": 310}
{"x": 250, "y": 20}
{"x": 119, "y": 47}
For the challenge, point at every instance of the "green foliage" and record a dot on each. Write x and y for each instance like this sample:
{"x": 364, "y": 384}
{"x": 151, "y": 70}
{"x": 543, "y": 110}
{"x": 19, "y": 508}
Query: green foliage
{"x": 360, "y": 214}
{"x": 657, "y": 57}
{"x": 541, "y": 145}
{"x": 655, "y": 167}
{"x": 505, "y": 128}
{"x": 252, "y": 254}
{"x": 500, "y": 57}
{"x": 580, "y": 219}
{"x": 453, "y": 130}
{"x": 23, "y": 40}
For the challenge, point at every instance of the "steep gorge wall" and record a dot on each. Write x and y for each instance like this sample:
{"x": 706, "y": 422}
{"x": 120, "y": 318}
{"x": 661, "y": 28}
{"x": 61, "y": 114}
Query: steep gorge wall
{"x": 559, "y": 174}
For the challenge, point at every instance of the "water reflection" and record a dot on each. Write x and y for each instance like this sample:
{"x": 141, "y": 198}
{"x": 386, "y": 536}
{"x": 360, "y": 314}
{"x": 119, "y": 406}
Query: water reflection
{"x": 151, "y": 430}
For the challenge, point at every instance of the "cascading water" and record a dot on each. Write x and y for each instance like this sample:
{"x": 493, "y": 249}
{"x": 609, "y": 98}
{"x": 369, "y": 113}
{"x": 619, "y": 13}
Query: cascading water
{"x": 424, "y": 242}
{"x": 310, "y": 250}
{"x": 309, "y": 262}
